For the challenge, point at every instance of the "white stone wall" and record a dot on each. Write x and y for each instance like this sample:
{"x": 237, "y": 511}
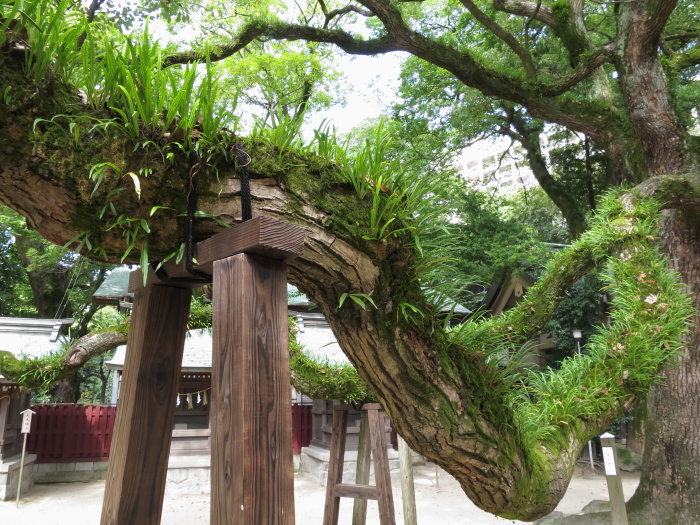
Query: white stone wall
{"x": 9, "y": 474}
{"x": 68, "y": 472}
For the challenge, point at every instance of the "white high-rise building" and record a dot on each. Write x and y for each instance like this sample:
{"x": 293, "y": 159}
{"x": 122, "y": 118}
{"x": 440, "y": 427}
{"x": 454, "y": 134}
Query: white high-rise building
{"x": 496, "y": 165}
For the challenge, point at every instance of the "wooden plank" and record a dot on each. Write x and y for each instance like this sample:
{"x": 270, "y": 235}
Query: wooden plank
{"x": 381, "y": 467}
{"x": 194, "y": 432}
{"x": 359, "y": 508}
{"x": 139, "y": 456}
{"x": 408, "y": 491}
{"x": 335, "y": 466}
{"x": 252, "y": 476}
{"x": 262, "y": 236}
{"x": 359, "y": 492}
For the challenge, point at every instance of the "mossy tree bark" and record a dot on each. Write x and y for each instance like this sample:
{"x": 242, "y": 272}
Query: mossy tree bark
{"x": 669, "y": 491}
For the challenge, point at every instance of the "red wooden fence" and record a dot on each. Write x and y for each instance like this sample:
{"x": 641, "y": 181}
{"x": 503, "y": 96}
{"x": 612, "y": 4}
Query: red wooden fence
{"x": 66, "y": 433}
{"x": 301, "y": 426}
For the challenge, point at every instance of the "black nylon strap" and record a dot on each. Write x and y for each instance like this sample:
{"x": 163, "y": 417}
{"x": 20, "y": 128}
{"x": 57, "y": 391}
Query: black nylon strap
{"x": 195, "y": 275}
{"x": 243, "y": 159}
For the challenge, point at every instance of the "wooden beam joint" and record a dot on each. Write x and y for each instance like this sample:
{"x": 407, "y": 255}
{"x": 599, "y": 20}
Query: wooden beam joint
{"x": 261, "y": 235}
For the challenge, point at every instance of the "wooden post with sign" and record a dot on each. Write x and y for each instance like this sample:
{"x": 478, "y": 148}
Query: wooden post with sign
{"x": 618, "y": 508}
{"x": 26, "y": 428}
{"x": 252, "y": 469}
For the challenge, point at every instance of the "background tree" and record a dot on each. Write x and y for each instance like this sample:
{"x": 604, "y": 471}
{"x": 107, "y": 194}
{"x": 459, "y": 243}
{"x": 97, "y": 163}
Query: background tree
{"x": 15, "y": 292}
{"x": 47, "y": 281}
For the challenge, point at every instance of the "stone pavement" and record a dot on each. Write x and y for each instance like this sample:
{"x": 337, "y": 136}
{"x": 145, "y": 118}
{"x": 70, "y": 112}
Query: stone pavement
{"x": 438, "y": 503}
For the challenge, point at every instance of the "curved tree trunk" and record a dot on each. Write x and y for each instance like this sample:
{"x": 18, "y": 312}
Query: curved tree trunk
{"x": 669, "y": 491}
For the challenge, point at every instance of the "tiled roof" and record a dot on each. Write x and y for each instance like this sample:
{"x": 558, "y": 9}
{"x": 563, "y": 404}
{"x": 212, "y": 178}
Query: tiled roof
{"x": 113, "y": 288}
{"x": 315, "y": 334}
{"x": 33, "y": 337}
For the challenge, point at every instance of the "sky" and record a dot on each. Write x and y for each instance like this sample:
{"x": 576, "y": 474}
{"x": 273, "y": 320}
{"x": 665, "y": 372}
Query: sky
{"x": 372, "y": 85}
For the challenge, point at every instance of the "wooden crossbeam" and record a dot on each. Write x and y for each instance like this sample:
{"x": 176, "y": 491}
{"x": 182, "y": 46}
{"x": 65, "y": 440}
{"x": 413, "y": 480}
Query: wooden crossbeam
{"x": 261, "y": 235}
{"x": 349, "y": 490}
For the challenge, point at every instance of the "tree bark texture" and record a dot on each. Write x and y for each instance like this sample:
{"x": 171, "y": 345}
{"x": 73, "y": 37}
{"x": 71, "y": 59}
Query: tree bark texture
{"x": 669, "y": 491}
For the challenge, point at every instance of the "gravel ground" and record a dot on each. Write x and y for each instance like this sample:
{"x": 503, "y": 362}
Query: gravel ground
{"x": 443, "y": 503}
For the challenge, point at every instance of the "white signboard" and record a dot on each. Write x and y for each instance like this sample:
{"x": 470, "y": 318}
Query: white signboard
{"x": 609, "y": 458}
{"x": 27, "y": 421}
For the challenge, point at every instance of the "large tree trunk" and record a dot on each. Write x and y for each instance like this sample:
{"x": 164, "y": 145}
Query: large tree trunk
{"x": 669, "y": 491}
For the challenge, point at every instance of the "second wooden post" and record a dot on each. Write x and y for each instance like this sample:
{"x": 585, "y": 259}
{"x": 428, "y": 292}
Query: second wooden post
{"x": 252, "y": 474}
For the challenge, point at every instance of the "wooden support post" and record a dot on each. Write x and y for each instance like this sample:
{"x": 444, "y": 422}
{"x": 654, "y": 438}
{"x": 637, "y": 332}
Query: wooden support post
{"x": 4, "y": 416}
{"x": 408, "y": 491}
{"x": 382, "y": 478}
{"x": 252, "y": 471}
{"x": 618, "y": 509}
{"x": 336, "y": 489}
{"x": 138, "y": 460}
{"x": 359, "y": 508}
{"x": 335, "y": 466}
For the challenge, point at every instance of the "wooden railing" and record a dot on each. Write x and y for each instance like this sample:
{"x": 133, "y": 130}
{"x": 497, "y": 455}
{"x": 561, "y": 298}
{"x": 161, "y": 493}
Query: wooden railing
{"x": 64, "y": 433}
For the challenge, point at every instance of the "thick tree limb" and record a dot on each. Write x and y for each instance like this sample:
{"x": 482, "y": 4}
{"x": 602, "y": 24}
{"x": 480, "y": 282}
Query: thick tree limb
{"x": 283, "y": 31}
{"x": 94, "y": 344}
{"x": 44, "y": 371}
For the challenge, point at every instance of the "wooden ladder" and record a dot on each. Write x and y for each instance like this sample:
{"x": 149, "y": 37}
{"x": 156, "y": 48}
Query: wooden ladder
{"x": 372, "y": 436}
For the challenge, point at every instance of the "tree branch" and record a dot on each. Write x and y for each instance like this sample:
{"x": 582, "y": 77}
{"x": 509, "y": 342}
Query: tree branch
{"x": 658, "y": 13}
{"x": 541, "y": 13}
{"x": 582, "y": 71}
{"x": 685, "y": 37}
{"x": 283, "y": 31}
{"x": 342, "y": 11}
{"x": 567, "y": 204}
{"x": 504, "y": 35}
